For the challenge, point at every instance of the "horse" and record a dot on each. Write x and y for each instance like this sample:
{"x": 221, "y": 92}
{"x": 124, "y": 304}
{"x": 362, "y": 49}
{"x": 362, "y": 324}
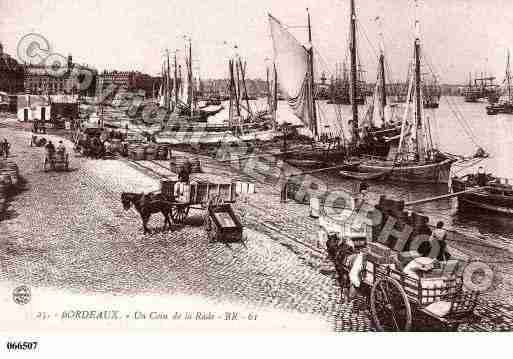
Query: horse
{"x": 146, "y": 205}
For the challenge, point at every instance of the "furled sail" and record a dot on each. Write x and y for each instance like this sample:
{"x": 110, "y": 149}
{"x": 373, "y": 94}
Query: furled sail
{"x": 292, "y": 67}
{"x": 162, "y": 100}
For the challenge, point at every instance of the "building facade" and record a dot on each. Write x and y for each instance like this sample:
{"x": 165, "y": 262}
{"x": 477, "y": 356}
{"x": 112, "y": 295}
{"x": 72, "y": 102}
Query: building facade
{"x": 71, "y": 78}
{"x": 33, "y": 108}
{"x": 11, "y": 74}
{"x": 129, "y": 81}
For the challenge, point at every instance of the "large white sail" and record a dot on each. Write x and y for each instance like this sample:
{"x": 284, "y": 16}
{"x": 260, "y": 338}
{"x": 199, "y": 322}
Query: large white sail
{"x": 292, "y": 67}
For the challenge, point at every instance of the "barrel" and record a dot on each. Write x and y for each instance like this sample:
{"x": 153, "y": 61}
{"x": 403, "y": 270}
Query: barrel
{"x": 5, "y": 182}
{"x": 116, "y": 145}
{"x": 124, "y": 151}
{"x": 11, "y": 169}
{"x": 13, "y": 174}
{"x": 139, "y": 153}
{"x": 162, "y": 152}
{"x": 175, "y": 163}
{"x": 195, "y": 165}
{"x": 150, "y": 153}
{"x": 131, "y": 151}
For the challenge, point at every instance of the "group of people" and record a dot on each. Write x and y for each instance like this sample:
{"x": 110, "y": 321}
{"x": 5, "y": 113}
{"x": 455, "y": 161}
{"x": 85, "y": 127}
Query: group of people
{"x": 51, "y": 150}
{"x": 96, "y": 143}
{"x": 5, "y": 147}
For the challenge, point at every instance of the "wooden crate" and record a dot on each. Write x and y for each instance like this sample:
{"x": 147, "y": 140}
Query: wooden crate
{"x": 201, "y": 192}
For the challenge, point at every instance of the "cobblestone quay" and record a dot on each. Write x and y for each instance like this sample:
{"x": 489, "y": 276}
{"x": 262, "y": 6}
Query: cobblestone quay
{"x": 68, "y": 230}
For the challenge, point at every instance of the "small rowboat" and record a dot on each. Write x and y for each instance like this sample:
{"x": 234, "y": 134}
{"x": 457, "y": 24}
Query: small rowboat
{"x": 363, "y": 175}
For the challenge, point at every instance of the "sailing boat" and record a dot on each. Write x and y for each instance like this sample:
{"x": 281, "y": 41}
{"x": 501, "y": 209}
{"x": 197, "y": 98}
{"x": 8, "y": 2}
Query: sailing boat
{"x": 180, "y": 97}
{"x": 484, "y": 192}
{"x": 504, "y": 105}
{"x": 246, "y": 123}
{"x": 414, "y": 159}
{"x": 295, "y": 75}
{"x": 482, "y": 88}
{"x": 379, "y": 127}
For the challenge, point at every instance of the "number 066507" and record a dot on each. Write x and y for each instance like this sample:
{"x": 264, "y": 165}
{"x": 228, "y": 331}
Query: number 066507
{"x": 21, "y": 345}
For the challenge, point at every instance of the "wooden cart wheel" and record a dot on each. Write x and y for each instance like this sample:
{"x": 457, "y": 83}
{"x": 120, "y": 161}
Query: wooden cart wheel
{"x": 179, "y": 212}
{"x": 390, "y": 308}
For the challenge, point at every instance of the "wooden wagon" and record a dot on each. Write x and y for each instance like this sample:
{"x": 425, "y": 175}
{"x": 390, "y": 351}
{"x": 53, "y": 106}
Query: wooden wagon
{"x": 195, "y": 194}
{"x": 399, "y": 301}
{"x": 59, "y": 160}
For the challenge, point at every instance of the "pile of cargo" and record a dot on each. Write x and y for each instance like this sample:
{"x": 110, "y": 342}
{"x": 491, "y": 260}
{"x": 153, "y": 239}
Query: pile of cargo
{"x": 8, "y": 180}
{"x": 148, "y": 152}
{"x": 177, "y": 162}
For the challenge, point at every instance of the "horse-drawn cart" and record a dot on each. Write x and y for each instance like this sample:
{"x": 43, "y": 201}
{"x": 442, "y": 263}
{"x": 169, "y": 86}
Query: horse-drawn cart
{"x": 400, "y": 300}
{"x": 175, "y": 199}
{"x": 220, "y": 222}
{"x": 196, "y": 194}
{"x": 58, "y": 160}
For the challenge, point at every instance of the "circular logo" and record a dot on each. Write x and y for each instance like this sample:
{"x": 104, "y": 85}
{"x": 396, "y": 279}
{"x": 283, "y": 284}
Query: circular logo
{"x": 21, "y": 295}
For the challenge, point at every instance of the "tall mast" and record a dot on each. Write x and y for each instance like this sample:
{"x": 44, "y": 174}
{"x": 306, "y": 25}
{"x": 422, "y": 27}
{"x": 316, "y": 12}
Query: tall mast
{"x": 236, "y": 82}
{"x": 275, "y": 95}
{"x": 232, "y": 92}
{"x": 382, "y": 70}
{"x": 313, "y": 112}
{"x": 162, "y": 90}
{"x": 191, "y": 87}
{"x": 508, "y": 78}
{"x": 417, "y": 83}
{"x": 268, "y": 85}
{"x": 243, "y": 78}
{"x": 354, "y": 106}
{"x": 168, "y": 99}
{"x": 418, "y": 96}
{"x": 175, "y": 82}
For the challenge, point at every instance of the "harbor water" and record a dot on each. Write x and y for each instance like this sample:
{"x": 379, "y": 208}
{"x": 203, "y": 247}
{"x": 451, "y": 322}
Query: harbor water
{"x": 459, "y": 128}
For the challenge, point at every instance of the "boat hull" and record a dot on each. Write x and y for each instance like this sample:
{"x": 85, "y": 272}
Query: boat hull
{"x": 264, "y": 135}
{"x": 318, "y": 158}
{"x": 362, "y": 176}
{"x": 482, "y": 200}
{"x": 506, "y": 108}
{"x": 437, "y": 172}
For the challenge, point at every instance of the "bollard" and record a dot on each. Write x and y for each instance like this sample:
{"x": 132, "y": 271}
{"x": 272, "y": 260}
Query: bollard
{"x": 314, "y": 207}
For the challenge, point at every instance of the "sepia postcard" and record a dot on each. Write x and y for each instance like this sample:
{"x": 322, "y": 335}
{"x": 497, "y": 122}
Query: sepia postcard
{"x": 255, "y": 167}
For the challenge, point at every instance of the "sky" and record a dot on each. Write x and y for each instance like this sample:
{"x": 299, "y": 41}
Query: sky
{"x": 458, "y": 36}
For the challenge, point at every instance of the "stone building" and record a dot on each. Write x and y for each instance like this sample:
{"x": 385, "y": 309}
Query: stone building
{"x": 11, "y": 74}
{"x": 128, "y": 81}
{"x": 70, "y": 78}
